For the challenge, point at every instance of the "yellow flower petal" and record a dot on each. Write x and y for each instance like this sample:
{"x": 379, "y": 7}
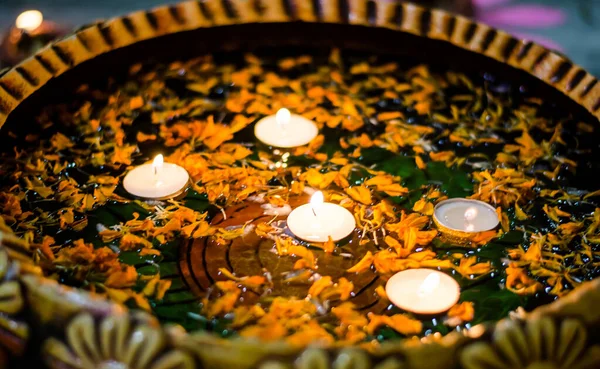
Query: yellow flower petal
{"x": 360, "y": 194}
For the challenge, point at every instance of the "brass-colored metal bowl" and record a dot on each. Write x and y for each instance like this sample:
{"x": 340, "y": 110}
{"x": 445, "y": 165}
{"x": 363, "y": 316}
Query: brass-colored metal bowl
{"x": 44, "y": 322}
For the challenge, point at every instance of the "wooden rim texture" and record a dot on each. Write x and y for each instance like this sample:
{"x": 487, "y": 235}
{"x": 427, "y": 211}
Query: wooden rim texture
{"x": 87, "y": 43}
{"x": 69, "y": 328}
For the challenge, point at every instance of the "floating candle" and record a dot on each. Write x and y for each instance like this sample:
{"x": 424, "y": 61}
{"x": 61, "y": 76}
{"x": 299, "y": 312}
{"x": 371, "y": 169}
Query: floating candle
{"x": 29, "y": 33}
{"x": 29, "y": 20}
{"x": 460, "y": 219}
{"x": 422, "y": 291}
{"x": 157, "y": 180}
{"x": 285, "y": 130}
{"x": 466, "y": 215}
{"x": 319, "y": 220}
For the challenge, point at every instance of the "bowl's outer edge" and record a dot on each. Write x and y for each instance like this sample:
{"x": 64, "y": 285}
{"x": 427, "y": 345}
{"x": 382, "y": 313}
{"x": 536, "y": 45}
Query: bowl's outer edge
{"x": 550, "y": 67}
{"x": 79, "y": 329}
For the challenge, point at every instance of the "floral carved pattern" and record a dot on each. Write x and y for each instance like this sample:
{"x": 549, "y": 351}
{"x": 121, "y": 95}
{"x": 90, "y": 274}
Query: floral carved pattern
{"x": 13, "y": 332}
{"x": 119, "y": 340}
{"x": 115, "y": 341}
{"x": 534, "y": 344}
{"x": 11, "y": 299}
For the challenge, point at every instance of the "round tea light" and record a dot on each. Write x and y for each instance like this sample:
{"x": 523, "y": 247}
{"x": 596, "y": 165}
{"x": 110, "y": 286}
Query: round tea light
{"x": 157, "y": 181}
{"x": 29, "y": 20}
{"x": 465, "y": 215}
{"x": 285, "y": 130}
{"x": 319, "y": 220}
{"x": 422, "y": 291}
{"x": 29, "y": 33}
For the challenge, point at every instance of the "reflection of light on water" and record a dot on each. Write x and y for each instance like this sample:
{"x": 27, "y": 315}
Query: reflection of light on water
{"x": 283, "y": 162}
{"x": 29, "y": 20}
{"x": 471, "y": 213}
{"x": 429, "y": 285}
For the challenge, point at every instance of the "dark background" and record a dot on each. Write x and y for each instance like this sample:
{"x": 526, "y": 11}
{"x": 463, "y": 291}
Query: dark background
{"x": 571, "y": 26}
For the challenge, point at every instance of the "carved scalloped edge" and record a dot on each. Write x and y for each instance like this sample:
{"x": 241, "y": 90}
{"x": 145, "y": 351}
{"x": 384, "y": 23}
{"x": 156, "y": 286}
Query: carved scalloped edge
{"x": 582, "y": 302}
{"x": 14, "y": 331}
{"x": 552, "y": 68}
{"x": 56, "y": 305}
{"x": 81, "y": 316}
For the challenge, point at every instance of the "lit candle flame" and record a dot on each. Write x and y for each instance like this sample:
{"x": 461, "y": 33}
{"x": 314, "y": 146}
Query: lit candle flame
{"x": 283, "y": 117}
{"x": 157, "y": 164}
{"x": 29, "y": 20}
{"x": 471, "y": 213}
{"x": 429, "y": 285}
{"x": 316, "y": 201}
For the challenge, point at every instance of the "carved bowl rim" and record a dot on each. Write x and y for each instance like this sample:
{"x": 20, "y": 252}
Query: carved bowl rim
{"x": 89, "y": 42}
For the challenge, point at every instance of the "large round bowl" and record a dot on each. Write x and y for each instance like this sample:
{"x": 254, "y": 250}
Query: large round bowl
{"x": 44, "y": 323}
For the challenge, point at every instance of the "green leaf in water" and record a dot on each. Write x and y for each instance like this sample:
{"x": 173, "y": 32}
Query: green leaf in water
{"x": 134, "y": 258}
{"x": 373, "y": 155}
{"x": 492, "y": 303}
{"x": 197, "y": 201}
{"x": 453, "y": 181}
{"x": 405, "y": 167}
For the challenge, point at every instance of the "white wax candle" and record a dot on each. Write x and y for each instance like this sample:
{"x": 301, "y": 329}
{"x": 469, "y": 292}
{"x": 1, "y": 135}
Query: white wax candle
{"x": 466, "y": 215}
{"x": 29, "y": 20}
{"x": 285, "y": 130}
{"x": 422, "y": 291}
{"x": 317, "y": 221}
{"x": 156, "y": 181}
